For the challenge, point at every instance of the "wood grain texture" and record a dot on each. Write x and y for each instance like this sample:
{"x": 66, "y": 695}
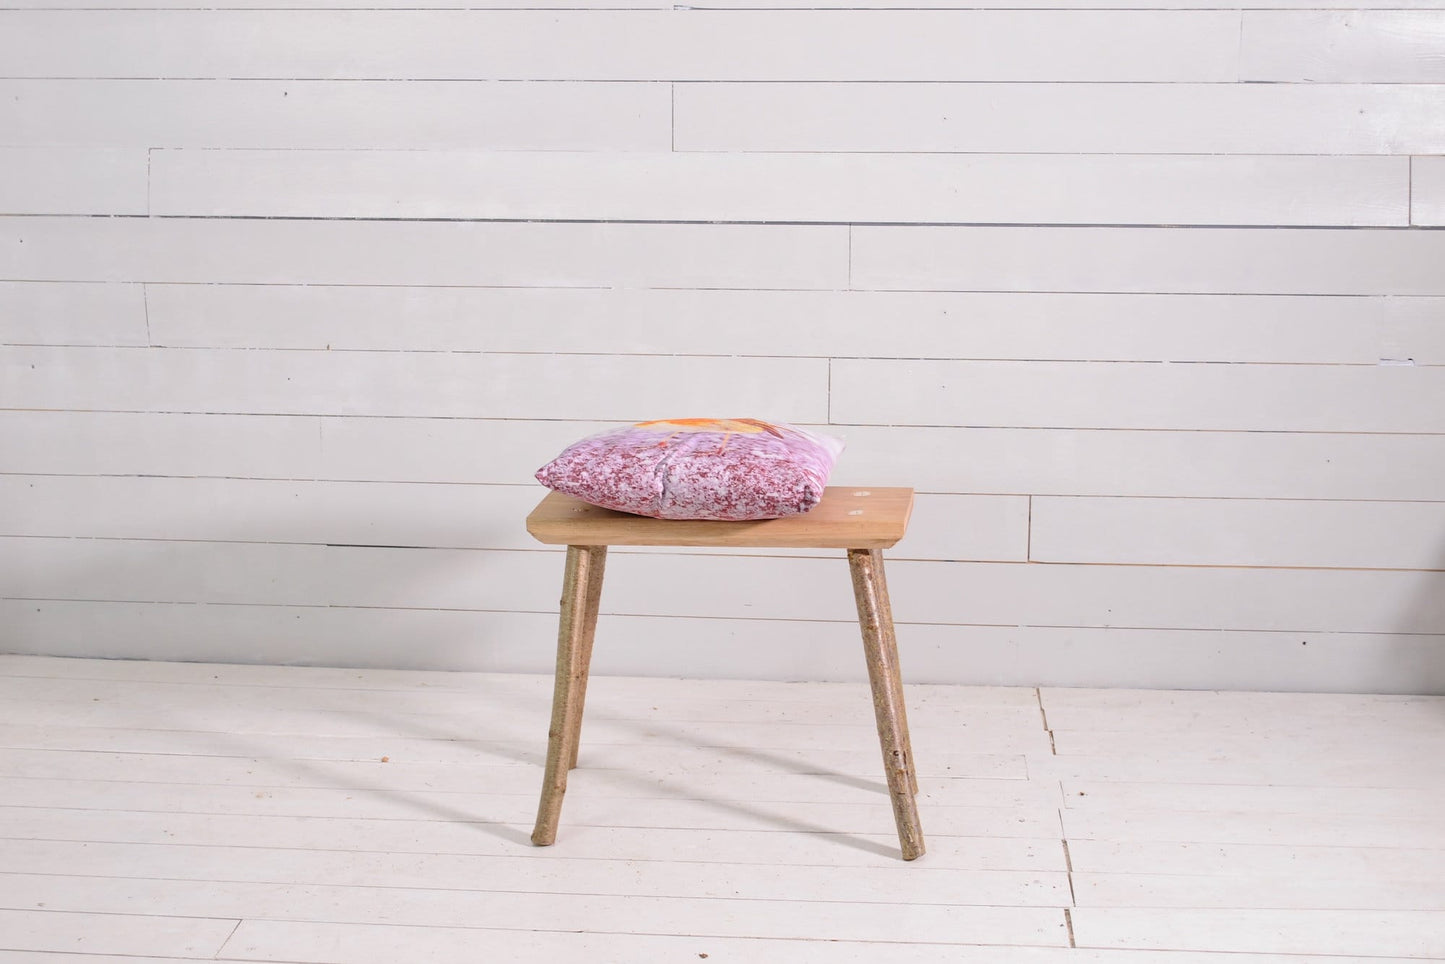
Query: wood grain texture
{"x": 880, "y": 653}
{"x": 431, "y": 384}
{"x": 846, "y": 518}
{"x": 72, "y": 314}
{"x": 1359, "y": 46}
{"x": 930, "y": 188}
{"x": 1142, "y": 260}
{"x": 1063, "y": 118}
{"x": 1140, "y": 396}
{"x": 397, "y": 115}
{"x": 575, "y": 5}
{"x": 1269, "y": 465}
{"x": 957, "y": 593}
{"x": 634, "y": 45}
{"x": 506, "y": 642}
{"x": 73, "y": 181}
{"x": 859, "y": 324}
{"x": 457, "y": 515}
{"x": 581, "y": 590}
{"x": 1237, "y": 532}
{"x": 423, "y": 252}
{"x": 1427, "y": 191}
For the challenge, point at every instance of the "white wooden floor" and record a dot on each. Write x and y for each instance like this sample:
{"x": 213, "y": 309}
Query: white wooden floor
{"x": 240, "y": 813}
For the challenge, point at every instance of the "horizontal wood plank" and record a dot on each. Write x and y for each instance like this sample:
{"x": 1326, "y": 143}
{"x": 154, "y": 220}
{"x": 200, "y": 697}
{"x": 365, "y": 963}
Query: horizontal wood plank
{"x": 28, "y": 929}
{"x": 1234, "y": 532}
{"x": 387, "y": 4}
{"x": 72, "y": 181}
{"x": 1338, "y": 861}
{"x": 1138, "y": 396}
{"x": 398, "y": 115}
{"x": 399, "y": 514}
{"x": 1362, "y": 830}
{"x": 882, "y": 5}
{"x": 1063, "y": 118}
{"x": 1359, "y": 46}
{"x": 1402, "y": 933}
{"x": 1267, "y": 465}
{"x": 72, "y": 314}
{"x": 423, "y": 252}
{"x": 797, "y": 920}
{"x": 1294, "y": 892}
{"x": 483, "y": 874}
{"x": 838, "y": 324}
{"x": 1384, "y": 662}
{"x": 708, "y": 5}
{"x": 931, "y": 188}
{"x": 1427, "y": 191}
{"x": 998, "y": 594}
{"x": 419, "y": 384}
{"x": 635, "y": 45}
{"x": 376, "y": 944}
{"x": 1225, "y": 261}
{"x": 113, "y": 443}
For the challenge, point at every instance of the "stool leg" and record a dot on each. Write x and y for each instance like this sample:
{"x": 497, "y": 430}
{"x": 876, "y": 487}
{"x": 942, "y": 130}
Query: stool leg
{"x": 592, "y": 603}
{"x": 880, "y": 650}
{"x": 574, "y": 648}
{"x": 895, "y": 678}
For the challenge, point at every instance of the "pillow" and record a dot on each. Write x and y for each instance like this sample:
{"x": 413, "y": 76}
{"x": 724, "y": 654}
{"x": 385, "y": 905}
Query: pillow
{"x": 734, "y": 469}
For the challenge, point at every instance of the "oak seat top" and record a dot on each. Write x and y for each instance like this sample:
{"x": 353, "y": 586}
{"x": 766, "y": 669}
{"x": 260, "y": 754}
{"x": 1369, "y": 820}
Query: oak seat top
{"x": 848, "y": 517}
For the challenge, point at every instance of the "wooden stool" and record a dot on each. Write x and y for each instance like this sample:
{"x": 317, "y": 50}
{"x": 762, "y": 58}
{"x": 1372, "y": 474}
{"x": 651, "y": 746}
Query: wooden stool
{"x": 862, "y": 521}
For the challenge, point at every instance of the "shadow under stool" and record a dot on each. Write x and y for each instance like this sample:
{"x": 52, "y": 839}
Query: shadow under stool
{"x": 861, "y": 521}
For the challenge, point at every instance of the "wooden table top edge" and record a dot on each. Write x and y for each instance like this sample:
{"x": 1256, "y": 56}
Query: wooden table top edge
{"x": 848, "y": 517}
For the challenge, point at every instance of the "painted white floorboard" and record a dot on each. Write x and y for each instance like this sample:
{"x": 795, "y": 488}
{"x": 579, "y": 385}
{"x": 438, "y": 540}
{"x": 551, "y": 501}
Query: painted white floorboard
{"x": 186, "y": 812}
{"x": 1419, "y": 934}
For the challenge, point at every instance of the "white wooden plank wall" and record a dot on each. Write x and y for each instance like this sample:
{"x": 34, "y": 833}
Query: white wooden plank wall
{"x": 1148, "y": 302}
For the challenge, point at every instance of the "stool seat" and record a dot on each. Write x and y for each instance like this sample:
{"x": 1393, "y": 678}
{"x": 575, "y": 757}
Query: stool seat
{"x": 848, "y": 517}
{"x": 862, "y": 520}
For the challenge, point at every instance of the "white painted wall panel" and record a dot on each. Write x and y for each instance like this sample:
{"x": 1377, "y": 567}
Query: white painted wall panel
{"x": 1239, "y": 532}
{"x": 839, "y": 324}
{"x": 1063, "y": 118}
{"x": 72, "y": 181}
{"x": 882, "y": 4}
{"x": 1427, "y": 191}
{"x": 860, "y": 45}
{"x": 72, "y": 314}
{"x": 709, "y": 4}
{"x": 1291, "y": 398}
{"x": 436, "y": 384}
{"x": 771, "y": 649}
{"x": 927, "y": 188}
{"x": 998, "y": 594}
{"x": 1358, "y": 46}
{"x": 404, "y": 4}
{"x": 1298, "y": 261}
{"x": 979, "y": 460}
{"x": 429, "y": 515}
{"x": 202, "y": 250}
{"x": 126, "y": 443}
{"x": 399, "y": 115}
{"x": 1138, "y": 294}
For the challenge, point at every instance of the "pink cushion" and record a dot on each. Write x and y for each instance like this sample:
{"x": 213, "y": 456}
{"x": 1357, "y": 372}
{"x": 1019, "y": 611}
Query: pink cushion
{"x": 732, "y": 469}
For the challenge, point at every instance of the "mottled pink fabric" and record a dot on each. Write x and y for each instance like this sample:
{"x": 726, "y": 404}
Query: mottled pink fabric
{"x": 732, "y": 469}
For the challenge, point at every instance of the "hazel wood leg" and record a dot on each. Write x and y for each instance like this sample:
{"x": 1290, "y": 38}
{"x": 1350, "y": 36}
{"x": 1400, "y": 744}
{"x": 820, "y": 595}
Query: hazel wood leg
{"x": 895, "y": 678}
{"x": 592, "y": 603}
{"x": 584, "y": 567}
{"x": 880, "y": 651}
